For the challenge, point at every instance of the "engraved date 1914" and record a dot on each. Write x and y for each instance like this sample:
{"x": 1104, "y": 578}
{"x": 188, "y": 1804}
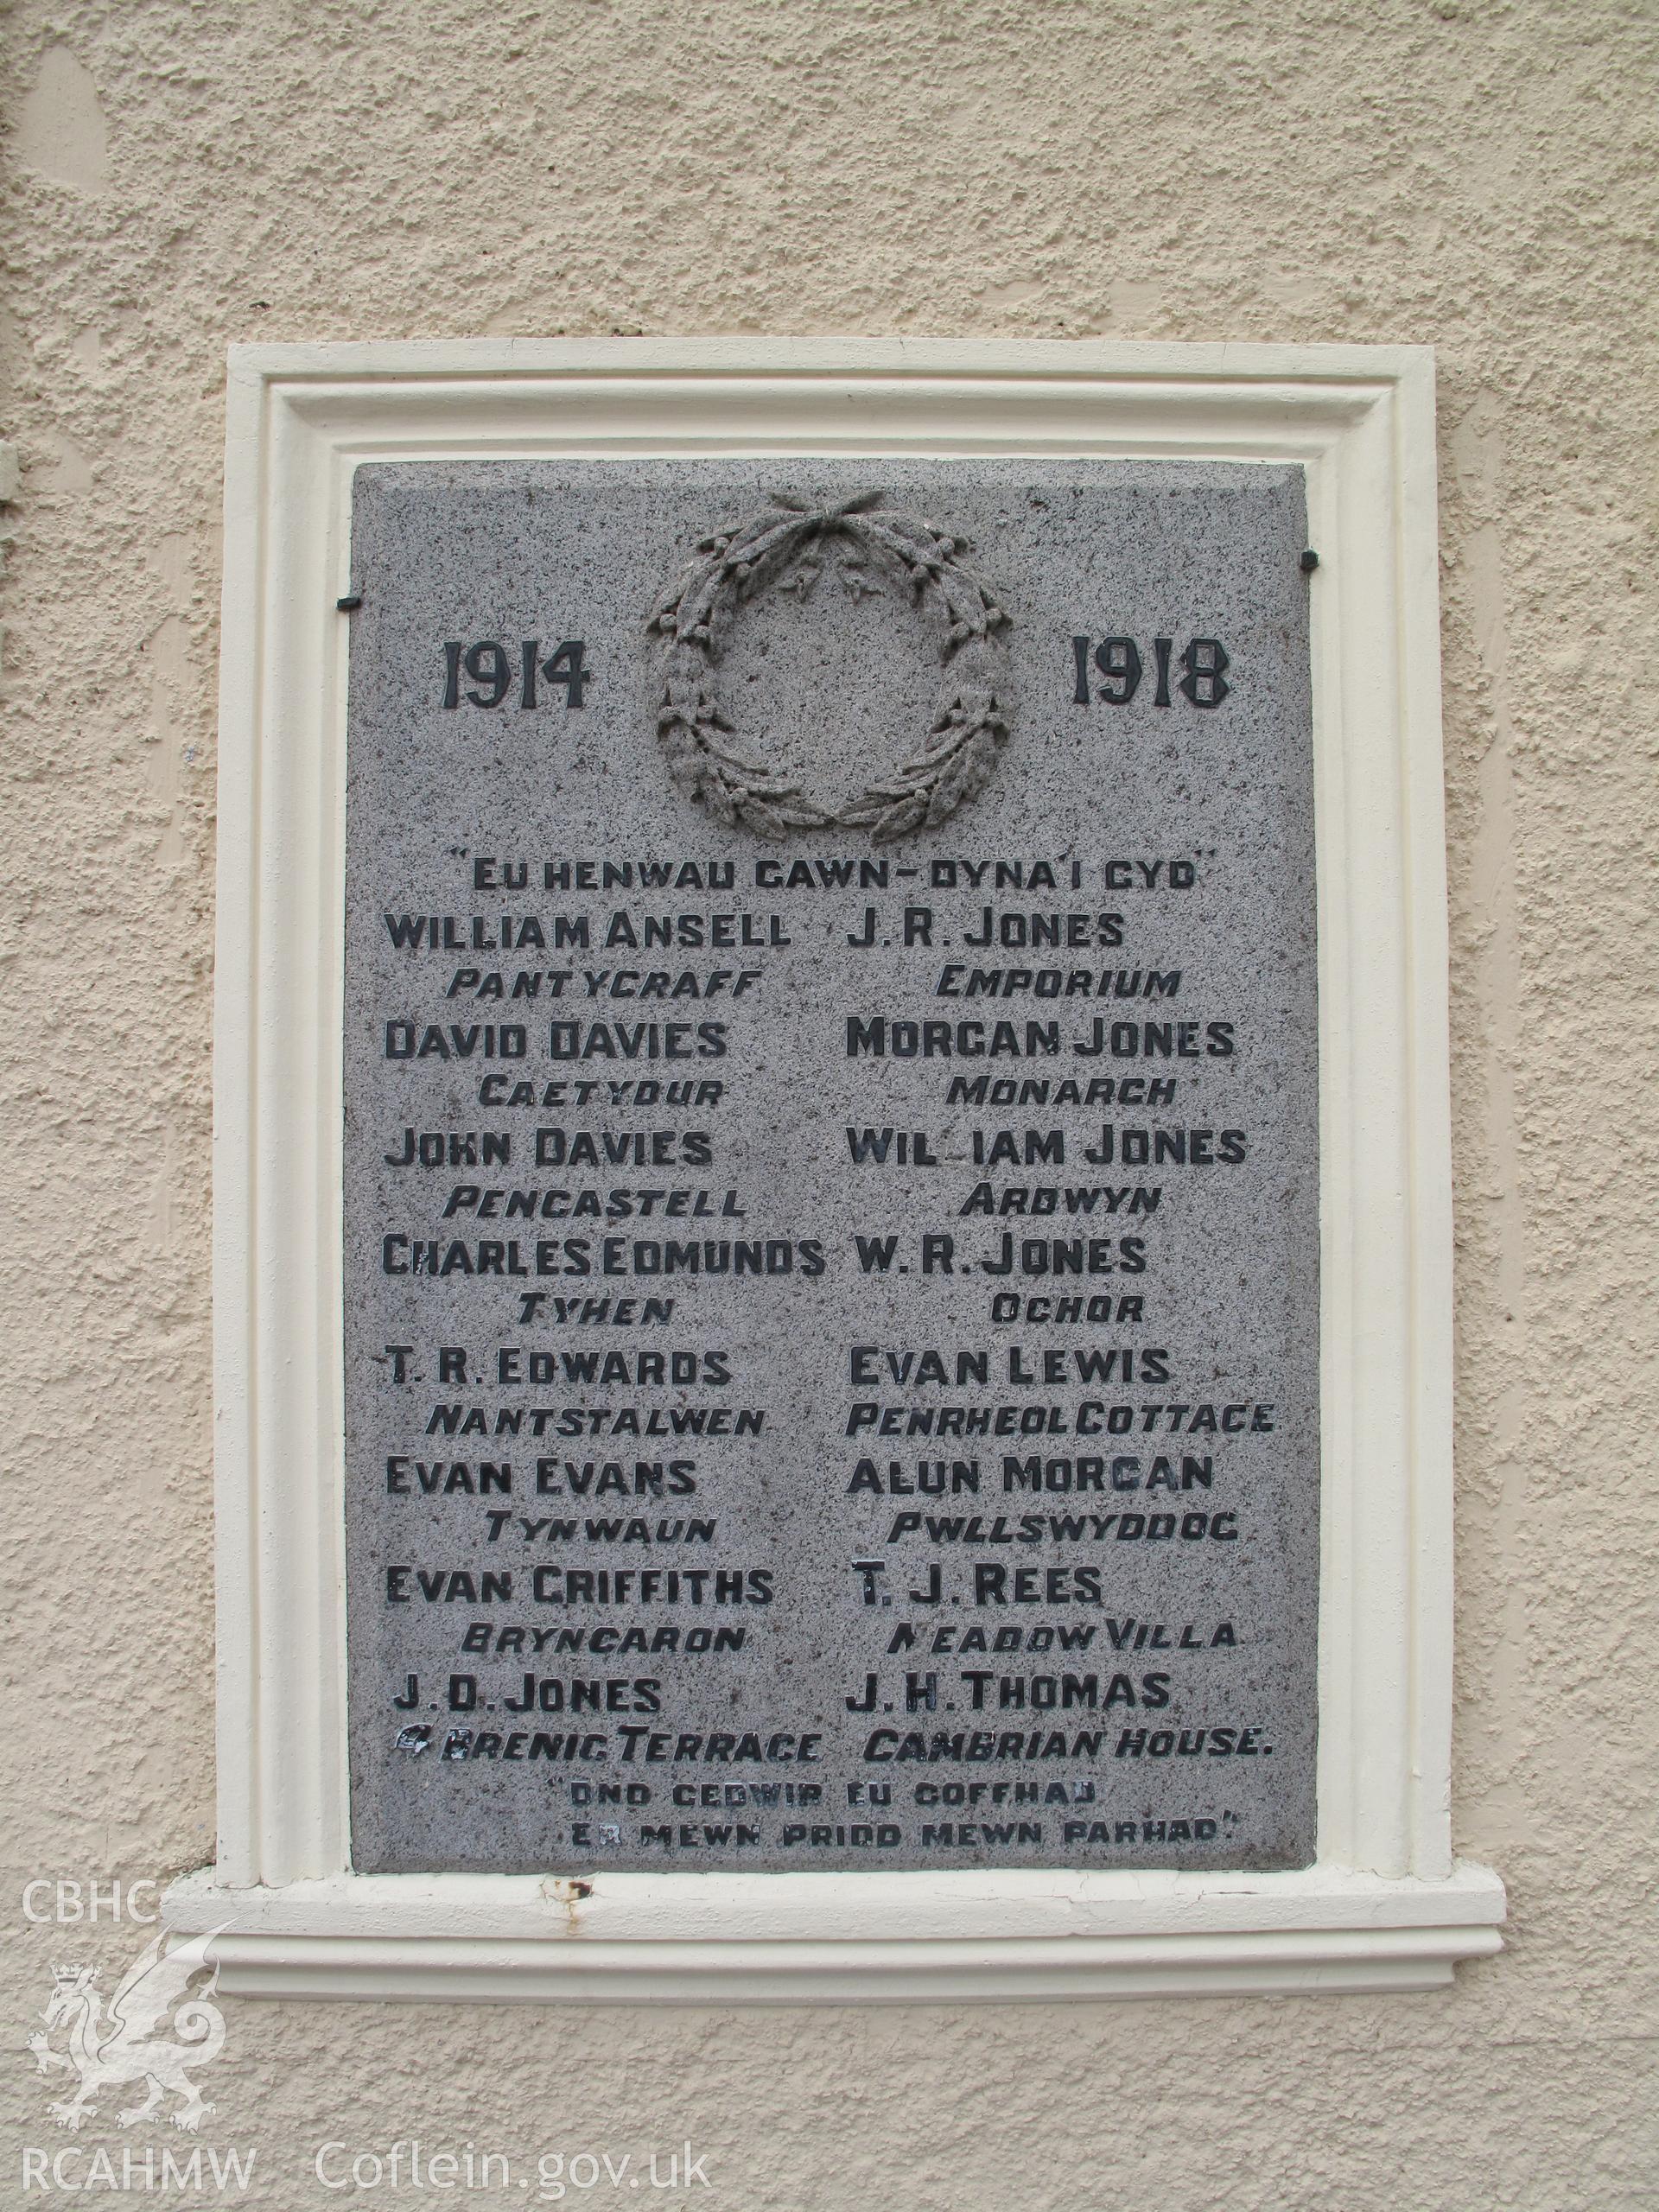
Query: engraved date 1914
{"x": 485, "y": 673}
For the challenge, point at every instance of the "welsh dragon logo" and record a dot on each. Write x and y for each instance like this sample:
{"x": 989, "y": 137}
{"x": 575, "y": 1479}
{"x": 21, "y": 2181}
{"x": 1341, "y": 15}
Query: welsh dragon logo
{"x": 111, "y": 2048}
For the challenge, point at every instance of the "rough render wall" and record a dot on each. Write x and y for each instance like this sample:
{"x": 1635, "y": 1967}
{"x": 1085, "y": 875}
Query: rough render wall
{"x": 1475, "y": 173}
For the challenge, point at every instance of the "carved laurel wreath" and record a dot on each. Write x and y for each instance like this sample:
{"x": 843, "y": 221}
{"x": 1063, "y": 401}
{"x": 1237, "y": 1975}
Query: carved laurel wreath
{"x": 784, "y": 544}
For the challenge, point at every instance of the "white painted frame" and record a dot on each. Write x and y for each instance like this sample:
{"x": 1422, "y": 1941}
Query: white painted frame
{"x": 1385, "y": 1907}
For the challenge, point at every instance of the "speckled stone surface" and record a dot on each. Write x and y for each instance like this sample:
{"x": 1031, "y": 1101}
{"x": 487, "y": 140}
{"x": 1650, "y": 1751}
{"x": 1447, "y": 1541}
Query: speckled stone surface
{"x": 996, "y": 1583}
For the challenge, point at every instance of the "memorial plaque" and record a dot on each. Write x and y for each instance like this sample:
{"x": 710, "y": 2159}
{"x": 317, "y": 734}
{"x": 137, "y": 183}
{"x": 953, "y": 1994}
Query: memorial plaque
{"x": 830, "y": 1266}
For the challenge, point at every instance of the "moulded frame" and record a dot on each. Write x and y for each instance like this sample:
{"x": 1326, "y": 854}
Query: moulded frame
{"x": 1384, "y": 1906}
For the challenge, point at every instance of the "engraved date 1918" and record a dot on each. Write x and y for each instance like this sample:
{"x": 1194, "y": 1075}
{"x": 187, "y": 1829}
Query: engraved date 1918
{"x": 1117, "y": 662}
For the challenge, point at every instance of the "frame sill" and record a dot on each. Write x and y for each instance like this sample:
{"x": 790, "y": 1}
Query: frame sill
{"x": 896, "y": 1939}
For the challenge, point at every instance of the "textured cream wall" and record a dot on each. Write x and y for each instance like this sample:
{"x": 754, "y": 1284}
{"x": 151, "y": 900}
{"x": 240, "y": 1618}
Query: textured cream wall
{"x": 1475, "y": 173}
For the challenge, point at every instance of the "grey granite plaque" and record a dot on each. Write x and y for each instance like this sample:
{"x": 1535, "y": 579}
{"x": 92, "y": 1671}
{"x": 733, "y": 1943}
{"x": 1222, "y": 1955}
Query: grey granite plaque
{"x": 831, "y": 1179}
